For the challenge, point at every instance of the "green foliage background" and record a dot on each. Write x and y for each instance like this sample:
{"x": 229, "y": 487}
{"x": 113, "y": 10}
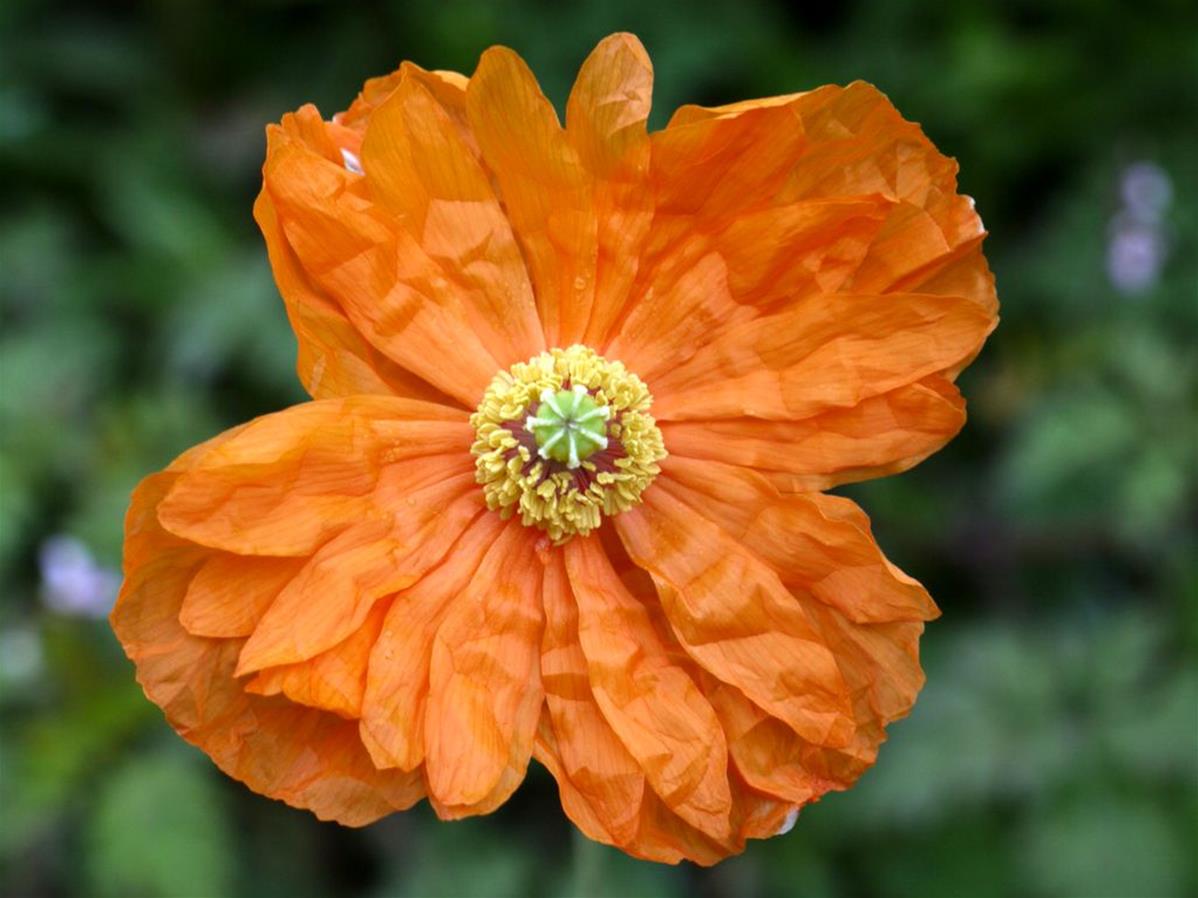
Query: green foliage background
{"x": 1054, "y": 751}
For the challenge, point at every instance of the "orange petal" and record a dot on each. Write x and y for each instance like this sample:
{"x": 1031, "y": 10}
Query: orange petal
{"x": 831, "y": 351}
{"x": 857, "y": 144}
{"x": 608, "y": 108}
{"x": 735, "y": 618}
{"x": 485, "y": 691}
{"x": 830, "y": 144}
{"x": 757, "y": 262}
{"x": 393, "y": 710}
{"x": 545, "y": 189}
{"x": 691, "y": 113}
{"x": 768, "y": 754}
{"x": 334, "y": 358}
{"x": 609, "y": 781}
{"x": 448, "y": 87}
{"x": 357, "y": 254}
{"x": 422, "y": 170}
{"x": 700, "y": 179}
{"x": 288, "y": 481}
{"x": 661, "y": 835}
{"x": 606, "y": 122}
{"x": 881, "y": 435}
{"x": 308, "y": 758}
{"x": 334, "y": 680}
{"x": 653, "y": 706}
{"x": 881, "y": 665}
{"x": 711, "y": 170}
{"x": 817, "y": 544}
{"x": 229, "y": 593}
{"x": 333, "y": 593}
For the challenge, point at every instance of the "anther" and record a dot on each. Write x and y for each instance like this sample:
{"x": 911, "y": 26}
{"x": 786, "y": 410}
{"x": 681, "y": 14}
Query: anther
{"x": 543, "y": 473}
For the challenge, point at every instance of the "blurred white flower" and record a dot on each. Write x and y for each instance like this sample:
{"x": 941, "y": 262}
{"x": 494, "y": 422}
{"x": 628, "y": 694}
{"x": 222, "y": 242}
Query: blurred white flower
{"x": 1147, "y": 191}
{"x": 1135, "y": 256}
{"x": 72, "y": 582}
{"x": 1136, "y": 247}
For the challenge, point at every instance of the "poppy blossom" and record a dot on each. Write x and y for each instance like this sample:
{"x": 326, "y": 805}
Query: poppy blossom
{"x": 577, "y": 393}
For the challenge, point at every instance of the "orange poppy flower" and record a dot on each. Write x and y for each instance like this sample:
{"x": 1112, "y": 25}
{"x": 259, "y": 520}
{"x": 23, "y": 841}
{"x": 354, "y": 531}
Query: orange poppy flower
{"x": 576, "y": 392}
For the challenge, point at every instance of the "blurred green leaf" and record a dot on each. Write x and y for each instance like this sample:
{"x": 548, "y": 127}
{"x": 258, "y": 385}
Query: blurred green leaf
{"x": 1104, "y": 845}
{"x": 157, "y": 830}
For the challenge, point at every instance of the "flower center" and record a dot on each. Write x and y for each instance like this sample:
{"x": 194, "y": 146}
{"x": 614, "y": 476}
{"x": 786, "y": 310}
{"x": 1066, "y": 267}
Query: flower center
{"x": 564, "y": 439}
{"x": 569, "y": 425}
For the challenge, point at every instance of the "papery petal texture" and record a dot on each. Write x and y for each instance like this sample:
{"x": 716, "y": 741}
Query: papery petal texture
{"x": 328, "y": 601}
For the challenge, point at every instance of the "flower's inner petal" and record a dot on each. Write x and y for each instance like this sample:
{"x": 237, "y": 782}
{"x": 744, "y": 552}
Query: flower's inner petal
{"x": 334, "y": 680}
{"x": 609, "y": 781}
{"x": 229, "y": 593}
{"x": 827, "y": 352}
{"x": 289, "y": 481}
{"x": 421, "y": 170}
{"x": 393, "y": 710}
{"x": 545, "y": 188}
{"x": 449, "y": 89}
{"x": 388, "y": 286}
{"x": 653, "y": 706}
{"x": 881, "y": 435}
{"x": 334, "y": 358}
{"x": 819, "y": 545}
{"x": 736, "y": 619}
{"x": 606, "y": 122}
{"x": 766, "y": 752}
{"x": 305, "y": 757}
{"x": 732, "y": 184}
{"x": 485, "y": 692}
{"x": 333, "y": 593}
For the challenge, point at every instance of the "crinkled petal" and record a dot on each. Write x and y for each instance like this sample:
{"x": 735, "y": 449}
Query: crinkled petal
{"x": 653, "y": 706}
{"x": 609, "y": 780}
{"x": 334, "y": 358}
{"x": 606, "y": 122}
{"x": 857, "y": 143}
{"x": 818, "y": 544}
{"x": 333, "y": 593}
{"x": 308, "y": 758}
{"x": 359, "y": 255}
{"x": 334, "y": 680}
{"x": 869, "y": 613}
{"x": 229, "y": 593}
{"x": 289, "y": 481}
{"x": 661, "y": 835}
{"x": 881, "y": 435}
{"x": 827, "y": 352}
{"x": 422, "y": 170}
{"x": 485, "y": 691}
{"x": 393, "y": 711}
{"x": 734, "y": 616}
{"x": 545, "y": 188}
{"x": 758, "y": 261}
{"x": 756, "y": 160}
{"x": 449, "y": 88}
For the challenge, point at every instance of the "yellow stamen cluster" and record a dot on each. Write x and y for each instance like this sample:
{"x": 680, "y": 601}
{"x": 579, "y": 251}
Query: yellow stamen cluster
{"x": 565, "y": 493}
